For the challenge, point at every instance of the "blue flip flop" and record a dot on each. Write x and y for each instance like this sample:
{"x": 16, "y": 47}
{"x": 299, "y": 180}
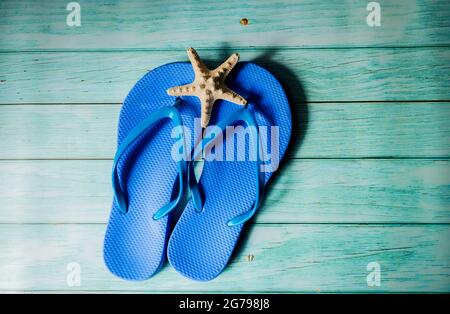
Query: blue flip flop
{"x": 229, "y": 192}
{"x": 147, "y": 182}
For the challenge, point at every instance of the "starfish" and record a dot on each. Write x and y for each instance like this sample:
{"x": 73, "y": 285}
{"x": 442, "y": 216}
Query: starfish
{"x": 209, "y": 85}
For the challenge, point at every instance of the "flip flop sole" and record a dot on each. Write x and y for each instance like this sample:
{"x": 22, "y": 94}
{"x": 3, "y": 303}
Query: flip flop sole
{"x": 135, "y": 243}
{"x": 202, "y": 243}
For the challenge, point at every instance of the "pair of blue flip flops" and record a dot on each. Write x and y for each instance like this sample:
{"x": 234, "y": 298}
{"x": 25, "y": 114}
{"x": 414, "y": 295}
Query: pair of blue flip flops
{"x": 150, "y": 185}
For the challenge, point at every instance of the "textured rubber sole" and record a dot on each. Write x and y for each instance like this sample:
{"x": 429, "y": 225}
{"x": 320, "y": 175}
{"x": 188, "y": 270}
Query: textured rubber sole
{"x": 135, "y": 243}
{"x": 201, "y": 244}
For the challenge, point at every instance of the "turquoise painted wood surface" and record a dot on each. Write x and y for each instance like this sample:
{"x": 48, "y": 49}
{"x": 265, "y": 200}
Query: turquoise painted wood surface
{"x": 309, "y": 75}
{"x": 30, "y": 25}
{"x": 367, "y": 178}
{"x": 286, "y": 257}
{"x": 327, "y": 130}
{"x": 352, "y": 191}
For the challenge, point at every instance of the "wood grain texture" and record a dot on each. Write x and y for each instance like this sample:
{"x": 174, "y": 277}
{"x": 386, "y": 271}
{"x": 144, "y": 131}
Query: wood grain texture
{"x": 31, "y": 25}
{"x": 331, "y": 130}
{"x": 301, "y": 258}
{"x": 306, "y": 74}
{"x": 305, "y": 191}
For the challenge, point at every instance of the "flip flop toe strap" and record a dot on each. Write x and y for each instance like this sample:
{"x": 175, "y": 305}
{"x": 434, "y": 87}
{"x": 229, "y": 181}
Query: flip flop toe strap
{"x": 169, "y": 112}
{"x": 245, "y": 116}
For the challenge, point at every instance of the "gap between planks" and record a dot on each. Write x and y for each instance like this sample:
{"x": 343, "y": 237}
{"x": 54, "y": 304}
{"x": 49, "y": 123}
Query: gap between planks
{"x": 412, "y": 158}
{"x": 294, "y": 102}
{"x": 279, "y": 224}
{"x": 239, "y": 48}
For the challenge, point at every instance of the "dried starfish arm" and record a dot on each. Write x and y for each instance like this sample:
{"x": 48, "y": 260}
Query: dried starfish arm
{"x": 233, "y": 97}
{"x": 225, "y": 68}
{"x": 206, "y": 112}
{"x": 183, "y": 90}
{"x": 197, "y": 63}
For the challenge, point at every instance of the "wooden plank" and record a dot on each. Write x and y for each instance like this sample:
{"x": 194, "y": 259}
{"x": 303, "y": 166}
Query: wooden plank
{"x": 301, "y": 258}
{"x": 305, "y": 191}
{"x": 177, "y": 24}
{"x": 326, "y": 130}
{"x": 306, "y": 74}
